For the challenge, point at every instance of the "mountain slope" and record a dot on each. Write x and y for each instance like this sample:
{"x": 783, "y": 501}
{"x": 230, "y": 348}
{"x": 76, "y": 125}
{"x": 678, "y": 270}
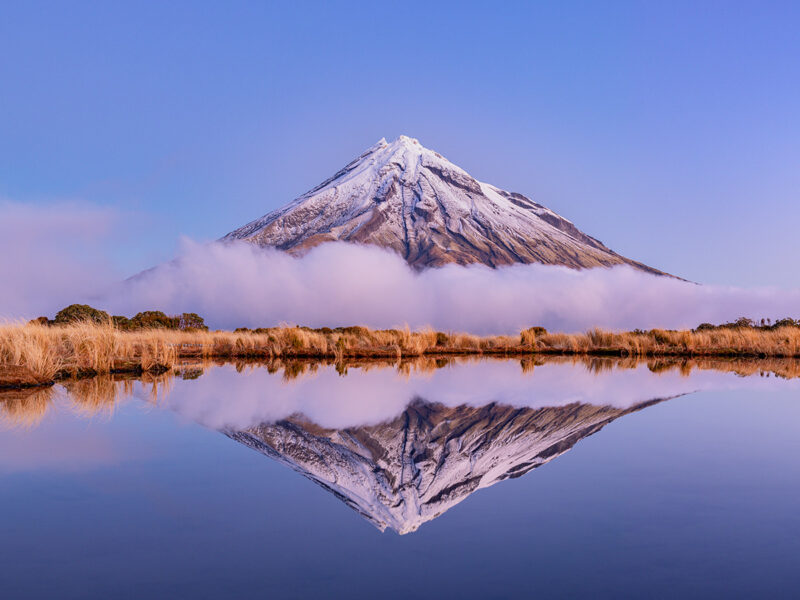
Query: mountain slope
{"x": 403, "y": 196}
{"x": 404, "y": 472}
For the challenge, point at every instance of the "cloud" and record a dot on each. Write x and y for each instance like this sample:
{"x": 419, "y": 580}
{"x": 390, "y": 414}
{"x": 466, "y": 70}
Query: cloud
{"x": 51, "y": 255}
{"x": 379, "y": 394}
{"x": 343, "y": 284}
{"x": 55, "y": 255}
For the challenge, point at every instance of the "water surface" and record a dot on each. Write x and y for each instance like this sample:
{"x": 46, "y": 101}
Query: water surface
{"x": 471, "y": 478}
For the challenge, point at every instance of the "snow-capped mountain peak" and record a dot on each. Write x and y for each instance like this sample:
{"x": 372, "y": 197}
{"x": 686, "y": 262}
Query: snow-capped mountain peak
{"x": 408, "y": 198}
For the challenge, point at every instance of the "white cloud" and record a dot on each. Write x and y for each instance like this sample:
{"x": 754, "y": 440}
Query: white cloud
{"x": 378, "y": 394}
{"x": 344, "y": 284}
{"x": 55, "y": 255}
{"x": 51, "y": 255}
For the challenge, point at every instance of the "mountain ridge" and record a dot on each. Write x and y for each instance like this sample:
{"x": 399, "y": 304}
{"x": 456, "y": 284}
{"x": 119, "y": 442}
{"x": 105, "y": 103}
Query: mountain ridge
{"x": 412, "y": 200}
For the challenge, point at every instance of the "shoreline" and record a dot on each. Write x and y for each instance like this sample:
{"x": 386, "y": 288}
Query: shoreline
{"x": 35, "y": 355}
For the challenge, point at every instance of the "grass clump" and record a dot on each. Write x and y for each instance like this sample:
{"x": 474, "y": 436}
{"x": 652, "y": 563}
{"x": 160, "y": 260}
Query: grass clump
{"x": 156, "y": 342}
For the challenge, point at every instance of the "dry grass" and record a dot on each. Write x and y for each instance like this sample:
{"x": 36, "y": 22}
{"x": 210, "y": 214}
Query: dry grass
{"x": 88, "y": 349}
{"x": 780, "y": 342}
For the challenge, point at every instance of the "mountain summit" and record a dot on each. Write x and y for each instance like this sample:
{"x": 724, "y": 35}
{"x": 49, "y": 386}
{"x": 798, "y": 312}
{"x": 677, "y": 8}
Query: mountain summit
{"x": 402, "y": 196}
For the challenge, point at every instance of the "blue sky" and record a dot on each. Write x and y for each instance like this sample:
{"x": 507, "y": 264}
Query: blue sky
{"x": 670, "y": 131}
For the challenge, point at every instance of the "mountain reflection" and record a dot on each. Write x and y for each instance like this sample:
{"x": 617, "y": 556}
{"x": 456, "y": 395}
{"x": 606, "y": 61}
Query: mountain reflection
{"x": 411, "y": 469}
{"x": 403, "y": 442}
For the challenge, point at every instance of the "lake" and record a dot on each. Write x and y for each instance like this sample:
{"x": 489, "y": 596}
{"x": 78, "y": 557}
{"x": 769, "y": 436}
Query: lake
{"x": 470, "y": 478}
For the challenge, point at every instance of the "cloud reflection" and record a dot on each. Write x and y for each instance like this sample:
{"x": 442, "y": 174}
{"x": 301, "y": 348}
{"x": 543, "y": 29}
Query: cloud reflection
{"x": 226, "y": 399}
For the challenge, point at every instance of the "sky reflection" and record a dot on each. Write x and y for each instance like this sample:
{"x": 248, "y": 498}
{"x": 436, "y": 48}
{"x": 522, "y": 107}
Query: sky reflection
{"x": 128, "y": 484}
{"x": 227, "y": 399}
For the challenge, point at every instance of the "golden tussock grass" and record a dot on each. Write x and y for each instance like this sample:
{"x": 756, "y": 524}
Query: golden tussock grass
{"x": 779, "y": 342}
{"x": 86, "y": 348}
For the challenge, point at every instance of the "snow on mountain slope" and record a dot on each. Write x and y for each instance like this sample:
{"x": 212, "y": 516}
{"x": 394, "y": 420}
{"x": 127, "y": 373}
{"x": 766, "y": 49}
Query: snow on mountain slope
{"x": 403, "y": 196}
{"x": 409, "y": 470}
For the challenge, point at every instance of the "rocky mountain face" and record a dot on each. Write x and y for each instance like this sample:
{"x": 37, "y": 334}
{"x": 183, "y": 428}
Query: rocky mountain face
{"x": 404, "y": 472}
{"x": 403, "y": 196}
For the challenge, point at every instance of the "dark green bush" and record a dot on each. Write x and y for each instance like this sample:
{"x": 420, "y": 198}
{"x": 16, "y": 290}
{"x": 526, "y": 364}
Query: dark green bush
{"x": 154, "y": 319}
{"x": 121, "y": 322}
{"x": 192, "y": 321}
{"x": 75, "y": 313}
{"x": 745, "y": 323}
{"x": 786, "y": 323}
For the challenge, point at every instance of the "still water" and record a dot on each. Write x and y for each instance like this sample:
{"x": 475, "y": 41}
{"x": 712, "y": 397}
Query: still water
{"x": 461, "y": 478}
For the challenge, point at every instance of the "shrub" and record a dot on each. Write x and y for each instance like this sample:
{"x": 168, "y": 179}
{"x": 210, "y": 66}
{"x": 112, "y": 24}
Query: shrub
{"x": 154, "y": 319}
{"x": 192, "y": 321}
{"x": 786, "y": 323}
{"x": 75, "y": 313}
{"x": 121, "y": 322}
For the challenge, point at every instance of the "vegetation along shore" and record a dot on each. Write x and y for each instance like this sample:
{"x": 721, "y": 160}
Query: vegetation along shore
{"x": 81, "y": 341}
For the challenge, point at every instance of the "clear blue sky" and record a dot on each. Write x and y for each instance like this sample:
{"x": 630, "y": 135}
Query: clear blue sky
{"x": 670, "y": 130}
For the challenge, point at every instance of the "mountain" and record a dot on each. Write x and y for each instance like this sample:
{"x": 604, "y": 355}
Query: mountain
{"x": 403, "y": 196}
{"x": 404, "y": 472}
